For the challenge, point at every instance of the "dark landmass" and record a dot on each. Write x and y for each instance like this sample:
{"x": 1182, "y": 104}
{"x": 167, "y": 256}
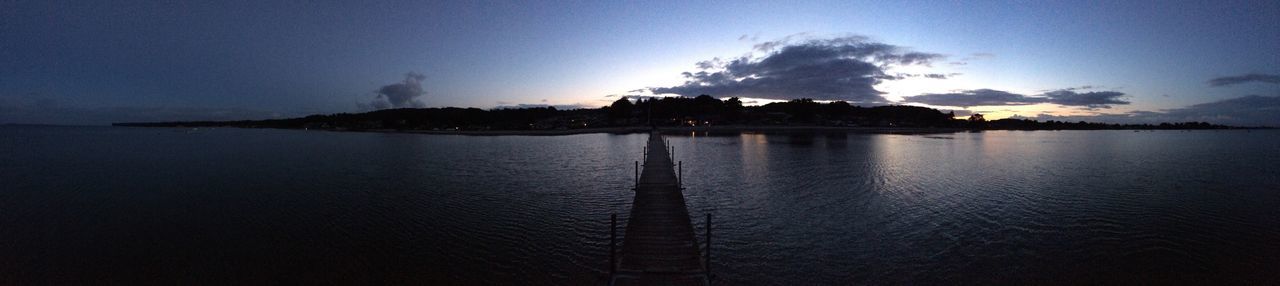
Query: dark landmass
{"x": 37, "y": 125}
{"x": 623, "y": 116}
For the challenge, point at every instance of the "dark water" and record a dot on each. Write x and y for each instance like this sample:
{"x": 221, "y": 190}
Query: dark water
{"x": 231, "y": 206}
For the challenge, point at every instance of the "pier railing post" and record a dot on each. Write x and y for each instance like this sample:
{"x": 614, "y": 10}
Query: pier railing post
{"x": 613, "y": 238}
{"x": 637, "y": 182}
{"x": 680, "y": 175}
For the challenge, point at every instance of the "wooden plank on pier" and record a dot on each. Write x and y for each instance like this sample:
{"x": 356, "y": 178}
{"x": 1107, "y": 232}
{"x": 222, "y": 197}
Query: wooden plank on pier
{"x": 659, "y": 247}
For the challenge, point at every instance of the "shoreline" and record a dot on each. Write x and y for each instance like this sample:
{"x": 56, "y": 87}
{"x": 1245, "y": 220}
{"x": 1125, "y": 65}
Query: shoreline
{"x": 810, "y": 129}
{"x": 677, "y": 130}
{"x": 666, "y": 130}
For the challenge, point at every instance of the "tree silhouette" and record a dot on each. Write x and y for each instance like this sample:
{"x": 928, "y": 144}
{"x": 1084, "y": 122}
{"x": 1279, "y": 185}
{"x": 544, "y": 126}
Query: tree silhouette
{"x": 977, "y": 117}
{"x": 666, "y": 111}
{"x": 733, "y": 109}
{"x": 977, "y": 121}
{"x": 620, "y": 111}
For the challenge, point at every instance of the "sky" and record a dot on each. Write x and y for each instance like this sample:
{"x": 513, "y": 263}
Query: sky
{"x": 97, "y": 62}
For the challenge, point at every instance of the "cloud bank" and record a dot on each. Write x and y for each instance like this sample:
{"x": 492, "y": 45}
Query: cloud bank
{"x": 977, "y": 97}
{"x": 1245, "y": 78}
{"x": 1090, "y": 99}
{"x": 846, "y": 68}
{"x": 991, "y": 97}
{"x": 403, "y": 94}
{"x": 1252, "y": 110}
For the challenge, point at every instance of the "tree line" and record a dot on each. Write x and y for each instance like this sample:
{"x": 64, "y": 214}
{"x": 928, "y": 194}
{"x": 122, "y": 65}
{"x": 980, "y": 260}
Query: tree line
{"x": 702, "y": 110}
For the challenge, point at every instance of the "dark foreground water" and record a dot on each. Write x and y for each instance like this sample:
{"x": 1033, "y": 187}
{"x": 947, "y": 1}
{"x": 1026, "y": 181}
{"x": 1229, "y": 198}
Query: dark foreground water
{"x": 100, "y": 205}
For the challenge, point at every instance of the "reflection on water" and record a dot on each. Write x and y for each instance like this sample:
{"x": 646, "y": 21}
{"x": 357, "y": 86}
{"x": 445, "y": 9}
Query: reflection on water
{"x": 990, "y": 207}
{"x": 230, "y": 206}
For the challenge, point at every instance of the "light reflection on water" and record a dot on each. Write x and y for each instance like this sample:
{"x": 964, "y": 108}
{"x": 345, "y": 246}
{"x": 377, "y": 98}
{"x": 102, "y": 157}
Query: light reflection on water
{"x": 1045, "y": 207}
{"x": 234, "y": 206}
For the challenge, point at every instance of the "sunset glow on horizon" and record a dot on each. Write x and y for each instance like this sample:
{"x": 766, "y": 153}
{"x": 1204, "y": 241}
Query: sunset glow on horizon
{"x": 1109, "y": 62}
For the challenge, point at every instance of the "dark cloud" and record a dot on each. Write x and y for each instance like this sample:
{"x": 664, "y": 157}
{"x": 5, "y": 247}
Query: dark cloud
{"x": 845, "y": 68}
{"x": 403, "y": 94}
{"x": 630, "y": 96}
{"x": 977, "y": 97}
{"x": 991, "y": 97}
{"x": 771, "y": 45}
{"x": 709, "y": 64}
{"x": 899, "y": 76}
{"x": 1090, "y": 99}
{"x": 1246, "y": 78}
{"x": 641, "y": 96}
{"x": 1253, "y": 110}
{"x": 1083, "y": 87}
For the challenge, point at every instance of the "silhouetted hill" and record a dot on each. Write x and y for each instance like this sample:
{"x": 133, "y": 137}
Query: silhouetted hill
{"x": 668, "y": 111}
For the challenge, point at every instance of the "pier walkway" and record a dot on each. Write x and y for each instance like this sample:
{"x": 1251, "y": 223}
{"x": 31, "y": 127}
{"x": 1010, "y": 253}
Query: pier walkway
{"x": 659, "y": 247}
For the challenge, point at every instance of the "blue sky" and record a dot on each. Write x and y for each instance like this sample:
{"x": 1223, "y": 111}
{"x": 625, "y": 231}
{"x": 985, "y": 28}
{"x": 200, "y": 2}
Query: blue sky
{"x": 94, "y": 62}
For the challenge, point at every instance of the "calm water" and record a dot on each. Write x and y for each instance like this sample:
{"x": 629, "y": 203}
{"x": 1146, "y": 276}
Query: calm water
{"x": 234, "y": 206}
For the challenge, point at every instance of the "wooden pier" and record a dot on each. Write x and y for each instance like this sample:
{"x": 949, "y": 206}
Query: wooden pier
{"x": 659, "y": 246}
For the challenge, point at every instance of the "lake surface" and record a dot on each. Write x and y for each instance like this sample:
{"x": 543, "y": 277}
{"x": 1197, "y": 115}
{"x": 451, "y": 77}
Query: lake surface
{"x": 106, "y": 205}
